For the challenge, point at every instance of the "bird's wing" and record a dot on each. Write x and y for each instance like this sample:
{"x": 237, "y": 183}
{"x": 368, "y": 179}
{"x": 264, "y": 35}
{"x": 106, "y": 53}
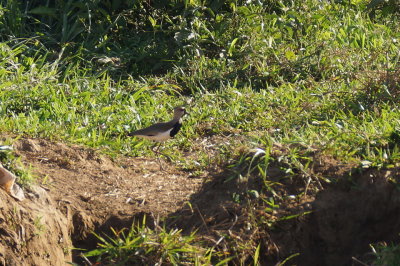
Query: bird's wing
{"x": 153, "y": 129}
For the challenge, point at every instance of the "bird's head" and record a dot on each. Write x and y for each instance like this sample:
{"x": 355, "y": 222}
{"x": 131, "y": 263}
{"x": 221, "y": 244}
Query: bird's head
{"x": 179, "y": 112}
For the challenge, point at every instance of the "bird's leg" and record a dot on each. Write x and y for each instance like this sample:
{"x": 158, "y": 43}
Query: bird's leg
{"x": 158, "y": 155}
{"x": 159, "y": 162}
{"x": 158, "y": 147}
{"x": 157, "y": 151}
{"x": 166, "y": 156}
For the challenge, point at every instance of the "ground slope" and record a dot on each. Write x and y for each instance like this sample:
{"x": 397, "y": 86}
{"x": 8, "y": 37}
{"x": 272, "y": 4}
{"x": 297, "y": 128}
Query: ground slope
{"x": 79, "y": 190}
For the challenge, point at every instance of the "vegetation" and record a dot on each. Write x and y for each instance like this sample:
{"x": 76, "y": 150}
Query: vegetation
{"x": 142, "y": 245}
{"x": 9, "y": 160}
{"x": 290, "y": 79}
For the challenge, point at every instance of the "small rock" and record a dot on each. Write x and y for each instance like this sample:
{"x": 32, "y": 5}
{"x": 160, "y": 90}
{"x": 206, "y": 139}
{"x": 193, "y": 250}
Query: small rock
{"x": 29, "y": 145}
{"x": 39, "y": 194}
{"x": 7, "y": 182}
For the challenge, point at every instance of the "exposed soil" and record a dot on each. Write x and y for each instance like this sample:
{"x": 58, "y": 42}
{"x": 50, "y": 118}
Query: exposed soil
{"x": 33, "y": 232}
{"x": 100, "y": 186}
{"x": 80, "y": 191}
{"x": 94, "y": 191}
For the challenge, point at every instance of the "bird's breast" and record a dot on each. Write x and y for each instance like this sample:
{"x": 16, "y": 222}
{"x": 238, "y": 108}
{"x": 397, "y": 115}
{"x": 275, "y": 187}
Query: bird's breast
{"x": 175, "y": 129}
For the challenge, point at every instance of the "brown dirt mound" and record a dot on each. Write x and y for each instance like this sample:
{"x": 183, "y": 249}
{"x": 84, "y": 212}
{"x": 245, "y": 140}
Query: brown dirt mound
{"x": 343, "y": 218}
{"x": 95, "y": 191}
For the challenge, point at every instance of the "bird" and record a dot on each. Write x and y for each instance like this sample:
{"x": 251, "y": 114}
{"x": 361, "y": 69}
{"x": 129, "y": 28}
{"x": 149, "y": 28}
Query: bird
{"x": 160, "y": 132}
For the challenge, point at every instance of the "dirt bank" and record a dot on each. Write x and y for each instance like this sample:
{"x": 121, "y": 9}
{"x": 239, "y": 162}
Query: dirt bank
{"x": 34, "y": 231}
{"x": 79, "y": 190}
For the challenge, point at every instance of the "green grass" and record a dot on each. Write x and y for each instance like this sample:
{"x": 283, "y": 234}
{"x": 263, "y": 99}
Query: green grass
{"x": 305, "y": 76}
{"x": 13, "y": 163}
{"x": 386, "y": 254}
{"x": 141, "y": 245}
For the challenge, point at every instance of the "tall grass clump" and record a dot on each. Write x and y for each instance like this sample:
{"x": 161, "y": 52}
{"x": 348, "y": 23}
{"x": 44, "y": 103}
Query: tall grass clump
{"x": 142, "y": 245}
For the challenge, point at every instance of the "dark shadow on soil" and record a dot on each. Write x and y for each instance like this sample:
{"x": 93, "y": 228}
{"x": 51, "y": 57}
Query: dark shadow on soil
{"x": 219, "y": 210}
{"x": 346, "y": 217}
{"x": 349, "y": 216}
{"x": 209, "y": 207}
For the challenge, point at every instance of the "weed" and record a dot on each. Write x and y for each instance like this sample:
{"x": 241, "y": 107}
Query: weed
{"x": 13, "y": 163}
{"x": 143, "y": 245}
{"x": 386, "y": 254}
{"x": 40, "y": 227}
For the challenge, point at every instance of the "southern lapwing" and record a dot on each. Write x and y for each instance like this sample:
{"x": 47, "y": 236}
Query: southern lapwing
{"x": 162, "y": 131}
